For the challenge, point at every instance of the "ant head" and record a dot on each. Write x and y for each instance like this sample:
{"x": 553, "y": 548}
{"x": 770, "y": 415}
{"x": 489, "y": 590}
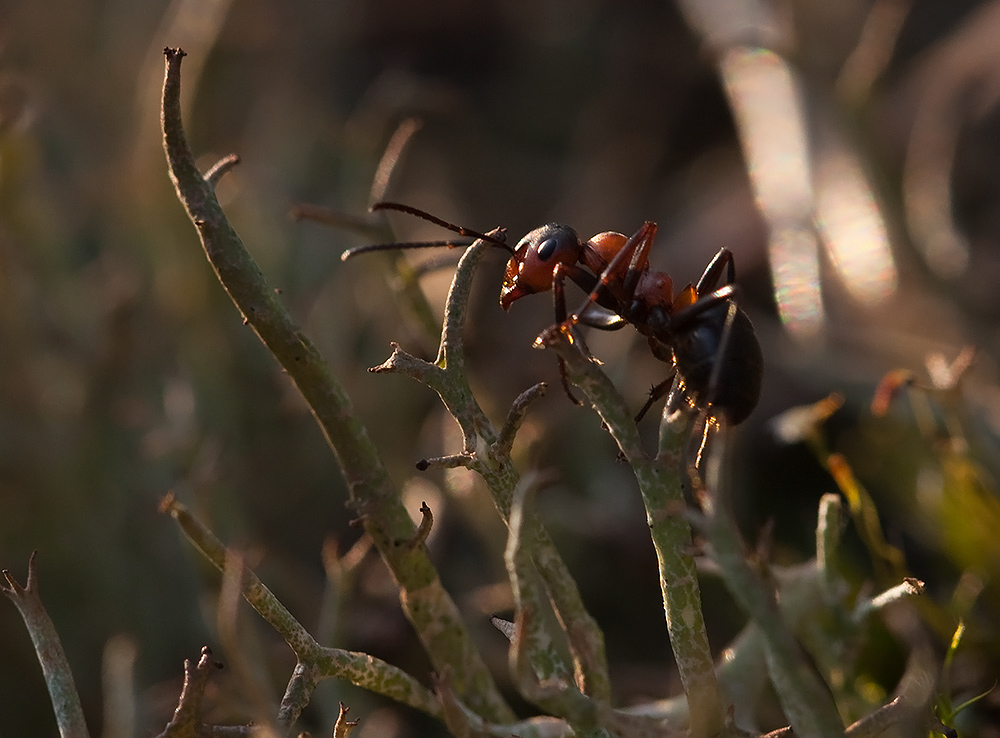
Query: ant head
{"x": 531, "y": 268}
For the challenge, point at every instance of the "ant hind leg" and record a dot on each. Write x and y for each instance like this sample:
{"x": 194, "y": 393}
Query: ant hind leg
{"x": 713, "y": 272}
{"x": 698, "y": 447}
{"x": 655, "y": 393}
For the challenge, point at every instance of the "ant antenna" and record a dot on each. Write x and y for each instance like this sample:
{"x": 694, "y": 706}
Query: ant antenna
{"x": 424, "y": 215}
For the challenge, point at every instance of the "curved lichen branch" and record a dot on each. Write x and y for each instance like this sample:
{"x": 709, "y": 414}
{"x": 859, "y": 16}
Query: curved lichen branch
{"x": 424, "y": 529}
{"x": 451, "y": 461}
{"x": 451, "y": 352}
{"x": 584, "y": 372}
{"x": 515, "y": 416}
{"x": 487, "y": 453}
{"x": 337, "y": 219}
{"x": 661, "y": 485}
{"x": 806, "y": 701}
{"x": 254, "y": 591}
{"x": 538, "y": 671}
{"x": 390, "y": 158}
{"x": 910, "y": 712}
{"x": 531, "y": 648}
{"x": 828, "y": 531}
{"x": 909, "y": 587}
{"x": 400, "y": 362}
{"x": 365, "y": 226}
{"x": 186, "y": 720}
{"x": 429, "y": 608}
{"x": 463, "y": 723}
{"x": 534, "y": 658}
{"x": 315, "y": 662}
{"x": 220, "y": 168}
{"x": 49, "y": 651}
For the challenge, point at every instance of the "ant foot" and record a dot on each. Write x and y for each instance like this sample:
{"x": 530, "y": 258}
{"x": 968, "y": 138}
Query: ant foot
{"x": 551, "y": 335}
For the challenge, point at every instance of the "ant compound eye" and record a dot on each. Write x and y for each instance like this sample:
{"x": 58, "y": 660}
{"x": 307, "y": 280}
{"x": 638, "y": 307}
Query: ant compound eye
{"x": 532, "y": 266}
{"x": 549, "y": 242}
{"x": 546, "y": 248}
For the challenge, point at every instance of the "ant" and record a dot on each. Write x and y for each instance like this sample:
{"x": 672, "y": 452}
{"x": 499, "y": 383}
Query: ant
{"x": 701, "y": 332}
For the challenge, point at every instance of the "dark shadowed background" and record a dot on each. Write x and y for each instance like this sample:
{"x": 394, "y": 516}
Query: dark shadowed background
{"x": 126, "y": 373}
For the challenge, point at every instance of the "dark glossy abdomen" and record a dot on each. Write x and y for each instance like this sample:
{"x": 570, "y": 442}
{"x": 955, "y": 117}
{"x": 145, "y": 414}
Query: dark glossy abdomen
{"x": 696, "y": 351}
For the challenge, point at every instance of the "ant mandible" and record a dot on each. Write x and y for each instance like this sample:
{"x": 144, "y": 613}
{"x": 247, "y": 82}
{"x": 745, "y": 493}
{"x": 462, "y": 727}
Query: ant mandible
{"x": 701, "y": 332}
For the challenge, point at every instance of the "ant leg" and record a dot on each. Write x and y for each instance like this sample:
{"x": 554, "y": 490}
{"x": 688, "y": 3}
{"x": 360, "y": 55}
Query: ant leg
{"x": 730, "y": 294}
{"x": 687, "y": 315}
{"x": 595, "y": 316}
{"x": 694, "y": 465}
{"x": 559, "y": 298}
{"x": 727, "y": 331}
{"x": 635, "y": 253}
{"x": 635, "y": 250}
{"x": 727, "y": 294}
{"x": 655, "y": 394}
{"x": 712, "y": 273}
{"x": 559, "y": 293}
{"x": 559, "y": 275}
{"x": 608, "y": 322}
{"x": 564, "y": 379}
{"x": 643, "y": 239}
{"x": 592, "y": 314}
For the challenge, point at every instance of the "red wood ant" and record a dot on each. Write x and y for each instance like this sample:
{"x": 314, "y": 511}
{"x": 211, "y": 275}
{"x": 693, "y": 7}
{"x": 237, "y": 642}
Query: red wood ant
{"x": 701, "y": 332}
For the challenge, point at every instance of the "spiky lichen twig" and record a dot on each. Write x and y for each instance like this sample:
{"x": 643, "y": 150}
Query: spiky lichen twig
{"x": 550, "y": 690}
{"x": 660, "y": 484}
{"x": 805, "y": 700}
{"x": 487, "y": 452}
{"x": 316, "y": 662}
{"x": 48, "y": 648}
{"x": 427, "y": 605}
{"x": 186, "y": 720}
{"x": 661, "y": 487}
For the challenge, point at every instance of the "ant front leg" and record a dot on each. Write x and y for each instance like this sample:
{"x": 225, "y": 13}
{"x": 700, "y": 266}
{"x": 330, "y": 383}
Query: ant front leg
{"x": 602, "y": 320}
{"x": 559, "y": 290}
{"x": 563, "y": 323}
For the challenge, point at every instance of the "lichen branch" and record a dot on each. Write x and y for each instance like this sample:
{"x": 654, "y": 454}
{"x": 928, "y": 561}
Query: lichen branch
{"x": 487, "y": 452}
{"x": 804, "y": 698}
{"x": 661, "y": 486}
{"x": 220, "y": 168}
{"x": 315, "y": 662}
{"x": 515, "y": 416}
{"x": 48, "y": 648}
{"x": 186, "y": 721}
{"x": 428, "y": 606}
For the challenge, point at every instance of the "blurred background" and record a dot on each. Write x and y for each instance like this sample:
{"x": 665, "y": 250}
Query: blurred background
{"x": 852, "y": 169}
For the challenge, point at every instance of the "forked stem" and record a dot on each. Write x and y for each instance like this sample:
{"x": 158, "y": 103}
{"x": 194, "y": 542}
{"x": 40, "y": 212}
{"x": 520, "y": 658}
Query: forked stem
{"x": 661, "y": 486}
{"x": 430, "y": 609}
